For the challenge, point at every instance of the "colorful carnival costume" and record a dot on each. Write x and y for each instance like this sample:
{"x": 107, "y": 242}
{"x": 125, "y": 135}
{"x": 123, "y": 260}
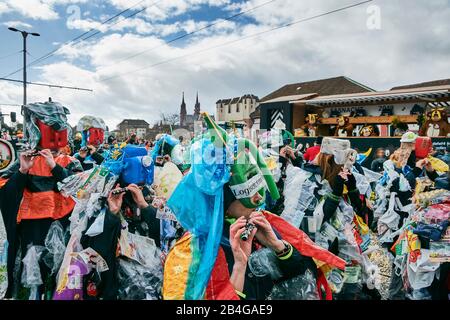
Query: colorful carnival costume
{"x": 225, "y": 169}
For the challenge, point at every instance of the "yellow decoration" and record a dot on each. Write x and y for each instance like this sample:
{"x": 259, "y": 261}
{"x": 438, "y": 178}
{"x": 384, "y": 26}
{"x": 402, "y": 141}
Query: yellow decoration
{"x": 438, "y": 165}
{"x": 176, "y": 269}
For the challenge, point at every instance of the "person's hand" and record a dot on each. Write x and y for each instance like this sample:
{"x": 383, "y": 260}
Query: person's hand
{"x": 91, "y": 149}
{"x": 283, "y": 152}
{"x": 421, "y": 163}
{"x": 241, "y": 249}
{"x": 115, "y": 201}
{"x": 428, "y": 166}
{"x": 83, "y": 153}
{"x": 138, "y": 196}
{"x": 290, "y": 153}
{"x": 265, "y": 234}
{"x": 48, "y": 156}
{"x": 26, "y": 162}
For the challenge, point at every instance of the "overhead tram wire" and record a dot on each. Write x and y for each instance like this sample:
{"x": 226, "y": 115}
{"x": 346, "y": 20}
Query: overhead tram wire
{"x": 190, "y": 33}
{"x": 10, "y": 55}
{"x": 238, "y": 40}
{"x": 48, "y": 85}
{"x": 51, "y": 53}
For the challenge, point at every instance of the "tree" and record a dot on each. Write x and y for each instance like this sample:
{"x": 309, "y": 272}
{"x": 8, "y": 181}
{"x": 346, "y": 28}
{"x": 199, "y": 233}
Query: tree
{"x": 170, "y": 119}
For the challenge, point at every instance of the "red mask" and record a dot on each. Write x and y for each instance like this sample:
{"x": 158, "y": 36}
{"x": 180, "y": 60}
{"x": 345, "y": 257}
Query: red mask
{"x": 50, "y": 138}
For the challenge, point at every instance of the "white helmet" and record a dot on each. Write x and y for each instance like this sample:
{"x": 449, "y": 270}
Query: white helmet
{"x": 409, "y": 137}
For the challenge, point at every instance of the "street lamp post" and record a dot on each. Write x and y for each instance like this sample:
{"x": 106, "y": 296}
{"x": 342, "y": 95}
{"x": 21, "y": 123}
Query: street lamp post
{"x": 24, "y": 36}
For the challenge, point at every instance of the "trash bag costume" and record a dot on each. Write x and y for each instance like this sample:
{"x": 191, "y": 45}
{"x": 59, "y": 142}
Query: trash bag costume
{"x": 412, "y": 220}
{"x": 92, "y": 137}
{"x": 200, "y": 265}
{"x": 328, "y": 199}
{"x": 124, "y": 242}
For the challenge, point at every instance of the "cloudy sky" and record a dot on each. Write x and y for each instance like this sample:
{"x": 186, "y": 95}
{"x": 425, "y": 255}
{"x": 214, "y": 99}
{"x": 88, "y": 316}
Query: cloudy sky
{"x": 137, "y": 69}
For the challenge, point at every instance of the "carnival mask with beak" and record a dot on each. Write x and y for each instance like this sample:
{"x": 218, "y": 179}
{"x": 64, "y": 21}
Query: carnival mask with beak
{"x": 249, "y": 173}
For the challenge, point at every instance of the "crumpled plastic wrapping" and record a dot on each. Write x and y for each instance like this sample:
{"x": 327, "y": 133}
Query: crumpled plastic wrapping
{"x": 88, "y": 122}
{"x": 139, "y": 248}
{"x": 83, "y": 184}
{"x": 302, "y": 287}
{"x": 31, "y": 273}
{"x": 54, "y": 243}
{"x": 138, "y": 282}
{"x": 298, "y": 195}
{"x": 3, "y": 268}
{"x": 264, "y": 262}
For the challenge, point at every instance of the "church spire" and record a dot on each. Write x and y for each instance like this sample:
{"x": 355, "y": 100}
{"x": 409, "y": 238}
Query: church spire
{"x": 197, "y": 108}
{"x": 183, "y": 112}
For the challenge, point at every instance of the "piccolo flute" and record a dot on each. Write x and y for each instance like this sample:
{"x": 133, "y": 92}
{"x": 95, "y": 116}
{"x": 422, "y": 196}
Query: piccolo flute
{"x": 122, "y": 190}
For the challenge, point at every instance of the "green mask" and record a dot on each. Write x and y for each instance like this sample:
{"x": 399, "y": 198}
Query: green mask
{"x": 250, "y": 175}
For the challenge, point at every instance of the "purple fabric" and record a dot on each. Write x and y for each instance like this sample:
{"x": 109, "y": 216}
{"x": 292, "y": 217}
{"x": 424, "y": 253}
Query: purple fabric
{"x": 74, "y": 288}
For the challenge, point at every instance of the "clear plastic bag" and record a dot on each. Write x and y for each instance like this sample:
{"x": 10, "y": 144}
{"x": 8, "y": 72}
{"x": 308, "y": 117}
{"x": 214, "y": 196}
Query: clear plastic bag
{"x": 31, "y": 273}
{"x": 139, "y": 248}
{"x": 421, "y": 294}
{"x": 264, "y": 262}
{"x": 3, "y": 268}
{"x": 303, "y": 287}
{"x": 298, "y": 195}
{"x": 54, "y": 243}
{"x": 138, "y": 282}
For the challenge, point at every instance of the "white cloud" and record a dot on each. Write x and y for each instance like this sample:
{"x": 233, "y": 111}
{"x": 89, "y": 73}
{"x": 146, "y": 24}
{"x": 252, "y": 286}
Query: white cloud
{"x": 36, "y": 9}
{"x": 17, "y": 24}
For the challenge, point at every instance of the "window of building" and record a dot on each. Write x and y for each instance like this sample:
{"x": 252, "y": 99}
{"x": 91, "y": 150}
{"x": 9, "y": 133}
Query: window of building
{"x": 237, "y": 107}
{"x": 229, "y": 108}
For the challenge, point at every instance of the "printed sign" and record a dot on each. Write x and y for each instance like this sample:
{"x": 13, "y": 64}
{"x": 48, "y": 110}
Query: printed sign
{"x": 249, "y": 188}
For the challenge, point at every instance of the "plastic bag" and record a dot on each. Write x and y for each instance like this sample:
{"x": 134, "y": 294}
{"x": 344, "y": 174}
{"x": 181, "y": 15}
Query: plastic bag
{"x": 264, "y": 262}
{"x": 96, "y": 227}
{"x": 72, "y": 248}
{"x": 138, "y": 282}
{"x": 390, "y": 218}
{"x": 3, "y": 268}
{"x": 54, "y": 243}
{"x": 166, "y": 179}
{"x": 421, "y": 294}
{"x": 421, "y": 273}
{"x": 73, "y": 288}
{"x": 139, "y": 248}
{"x": 298, "y": 195}
{"x": 31, "y": 273}
{"x": 303, "y": 287}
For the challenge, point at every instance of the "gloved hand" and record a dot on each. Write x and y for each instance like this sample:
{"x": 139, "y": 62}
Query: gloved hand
{"x": 338, "y": 187}
{"x": 351, "y": 182}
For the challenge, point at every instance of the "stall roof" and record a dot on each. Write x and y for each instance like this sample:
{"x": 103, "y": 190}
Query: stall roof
{"x": 429, "y": 94}
{"x": 297, "y": 97}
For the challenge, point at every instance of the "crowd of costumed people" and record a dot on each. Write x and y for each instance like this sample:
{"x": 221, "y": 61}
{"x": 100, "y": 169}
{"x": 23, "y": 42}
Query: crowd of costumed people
{"x": 219, "y": 217}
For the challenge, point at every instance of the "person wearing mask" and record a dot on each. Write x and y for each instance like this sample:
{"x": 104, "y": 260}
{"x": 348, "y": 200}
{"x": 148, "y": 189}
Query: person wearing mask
{"x": 311, "y": 153}
{"x": 377, "y": 163}
{"x": 88, "y": 157}
{"x": 237, "y": 230}
{"x": 140, "y": 217}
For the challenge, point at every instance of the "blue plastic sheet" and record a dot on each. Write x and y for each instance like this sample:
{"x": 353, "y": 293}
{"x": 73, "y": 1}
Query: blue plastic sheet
{"x": 197, "y": 203}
